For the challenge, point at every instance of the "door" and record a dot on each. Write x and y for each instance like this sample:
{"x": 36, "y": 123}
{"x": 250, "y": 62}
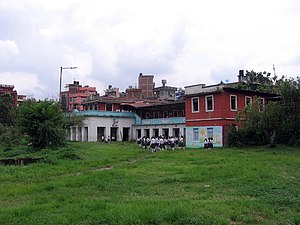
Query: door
{"x": 113, "y": 133}
{"x": 125, "y": 134}
{"x": 100, "y": 133}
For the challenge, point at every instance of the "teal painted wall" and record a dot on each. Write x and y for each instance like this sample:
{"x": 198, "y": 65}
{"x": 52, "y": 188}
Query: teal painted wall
{"x": 217, "y": 136}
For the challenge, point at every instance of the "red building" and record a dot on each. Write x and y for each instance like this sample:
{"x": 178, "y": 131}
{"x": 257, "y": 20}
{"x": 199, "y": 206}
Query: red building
{"x": 10, "y": 90}
{"x": 211, "y": 111}
{"x": 146, "y": 85}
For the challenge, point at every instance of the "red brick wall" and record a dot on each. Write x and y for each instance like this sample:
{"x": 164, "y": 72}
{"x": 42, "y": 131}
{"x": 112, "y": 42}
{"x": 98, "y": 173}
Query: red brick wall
{"x": 220, "y": 116}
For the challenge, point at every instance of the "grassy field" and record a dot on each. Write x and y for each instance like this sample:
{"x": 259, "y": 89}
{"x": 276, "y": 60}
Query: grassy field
{"x": 95, "y": 183}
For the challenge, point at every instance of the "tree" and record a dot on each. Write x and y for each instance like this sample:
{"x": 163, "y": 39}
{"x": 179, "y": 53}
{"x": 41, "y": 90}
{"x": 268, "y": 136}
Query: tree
{"x": 43, "y": 122}
{"x": 7, "y": 112}
{"x": 279, "y": 122}
{"x": 290, "y": 103}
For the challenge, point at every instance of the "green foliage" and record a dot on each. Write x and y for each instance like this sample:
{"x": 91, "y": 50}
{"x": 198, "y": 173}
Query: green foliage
{"x": 43, "y": 122}
{"x": 7, "y": 112}
{"x": 279, "y": 123}
{"x": 290, "y": 117}
{"x": 9, "y": 136}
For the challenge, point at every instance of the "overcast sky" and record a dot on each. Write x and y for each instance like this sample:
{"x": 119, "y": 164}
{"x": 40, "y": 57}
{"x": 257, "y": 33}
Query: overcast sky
{"x": 111, "y": 42}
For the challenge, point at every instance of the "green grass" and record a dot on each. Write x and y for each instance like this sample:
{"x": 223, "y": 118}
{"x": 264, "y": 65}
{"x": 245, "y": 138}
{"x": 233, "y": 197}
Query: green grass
{"x": 123, "y": 184}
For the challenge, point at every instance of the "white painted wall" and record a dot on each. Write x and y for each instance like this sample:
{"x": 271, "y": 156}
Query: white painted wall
{"x": 90, "y": 128}
{"x": 89, "y": 131}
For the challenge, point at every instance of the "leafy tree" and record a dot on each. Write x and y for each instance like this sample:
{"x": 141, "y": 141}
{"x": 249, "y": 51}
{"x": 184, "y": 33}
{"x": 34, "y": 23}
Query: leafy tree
{"x": 43, "y": 122}
{"x": 9, "y": 136}
{"x": 290, "y": 104}
{"x": 7, "y": 112}
{"x": 279, "y": 122}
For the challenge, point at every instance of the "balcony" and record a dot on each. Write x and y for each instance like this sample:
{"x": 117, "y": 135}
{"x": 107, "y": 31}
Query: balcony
{"x": 161, "y": 121}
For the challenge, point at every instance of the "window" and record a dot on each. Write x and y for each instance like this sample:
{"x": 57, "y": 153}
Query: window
{"x": 248, "y": 100}
{"x": 108, "y": 107}
{"x": 166, "y": 114}
{"x": 233, "y": 102}
{"x": 147, "y": 115}
{"x": 195, "y": 104}
{"x": 175, "y": 113}
{"x": 195, "y": 134}
{"x": 261, "y": 104}
{"x": 210, "y": 133}
{"x": 209, "y": 102}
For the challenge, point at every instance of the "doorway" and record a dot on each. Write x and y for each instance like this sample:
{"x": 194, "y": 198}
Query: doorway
{"x": 125, "y": 134}
{"x": 176, "y": 132}
{"x": 100, "y": 133}
{"x": 113, "y": 133}
{"x": 165, "y": 132}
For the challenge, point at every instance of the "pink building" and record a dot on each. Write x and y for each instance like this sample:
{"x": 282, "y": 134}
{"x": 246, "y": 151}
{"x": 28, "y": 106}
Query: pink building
{"x": 76, "y": 94}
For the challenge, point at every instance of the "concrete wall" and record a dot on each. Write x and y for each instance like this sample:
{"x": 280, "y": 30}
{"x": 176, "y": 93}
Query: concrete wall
{"x": 89, "y": 131}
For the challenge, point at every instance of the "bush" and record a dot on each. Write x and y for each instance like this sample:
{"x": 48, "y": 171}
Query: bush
{"x": 9, "y": 136}
{"x": 244, "y": 137}
{"x": 43, "y": 123}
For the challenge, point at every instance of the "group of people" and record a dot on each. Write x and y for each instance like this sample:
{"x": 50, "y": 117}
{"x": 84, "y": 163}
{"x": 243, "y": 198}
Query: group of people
{"x": 109, "y": 139}
{"x": 208, "y": 143}
{"x": 161, "y": 143}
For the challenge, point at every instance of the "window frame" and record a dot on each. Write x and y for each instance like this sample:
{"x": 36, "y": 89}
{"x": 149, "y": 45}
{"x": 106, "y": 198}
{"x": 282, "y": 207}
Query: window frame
{"x": 210, "y": 133}
{"x": 193, "y": 110}
{"x": 250, "y": 102}
{"x": 108, "y": 104}
{"x": 236, "y": 100}
{"x": 196, "y": 138}
{"x": 212, "y": 103}
{"x": 261, "y": 106}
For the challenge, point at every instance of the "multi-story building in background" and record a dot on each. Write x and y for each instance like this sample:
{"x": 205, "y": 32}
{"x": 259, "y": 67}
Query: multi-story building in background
{"x": 20, "y": 99}
{"x": 72, "y": 98}
{"x": 4, "y": 88}
{"x": 165, "y": 92}
{"x": 146, "y": 84}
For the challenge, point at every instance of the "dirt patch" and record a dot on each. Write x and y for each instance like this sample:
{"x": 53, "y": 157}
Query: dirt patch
{"x": 104, "y": 168}
{"x": 20, "y": 161}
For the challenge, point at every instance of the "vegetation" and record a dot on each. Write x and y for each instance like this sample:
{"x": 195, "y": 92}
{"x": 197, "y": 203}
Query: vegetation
{"x": 279, "y": 123}
{"x": 43, "y": 122}
{"x": 39, "y": 123}
{"x": 123, "y": 184}
{"x": 7, "y": 112}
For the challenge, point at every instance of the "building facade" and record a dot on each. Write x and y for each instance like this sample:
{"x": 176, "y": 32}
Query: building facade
{"x": 145, "y": 83}
{"x": 164, "y": 92}
{"x": 75, "y": 95}
{"x": 211, "y": 111}
{"x": 17, "y": 99}
{"x": 130, "y": 121}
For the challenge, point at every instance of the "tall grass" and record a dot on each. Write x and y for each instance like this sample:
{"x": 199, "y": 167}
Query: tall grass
{"x": 123, "y": 184}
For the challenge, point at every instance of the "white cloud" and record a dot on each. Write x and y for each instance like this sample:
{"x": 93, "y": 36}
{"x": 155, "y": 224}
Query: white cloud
{"x": 25, "y": 83}
{"x": 111, "y": 42}
{"x": 8, "y": 49}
